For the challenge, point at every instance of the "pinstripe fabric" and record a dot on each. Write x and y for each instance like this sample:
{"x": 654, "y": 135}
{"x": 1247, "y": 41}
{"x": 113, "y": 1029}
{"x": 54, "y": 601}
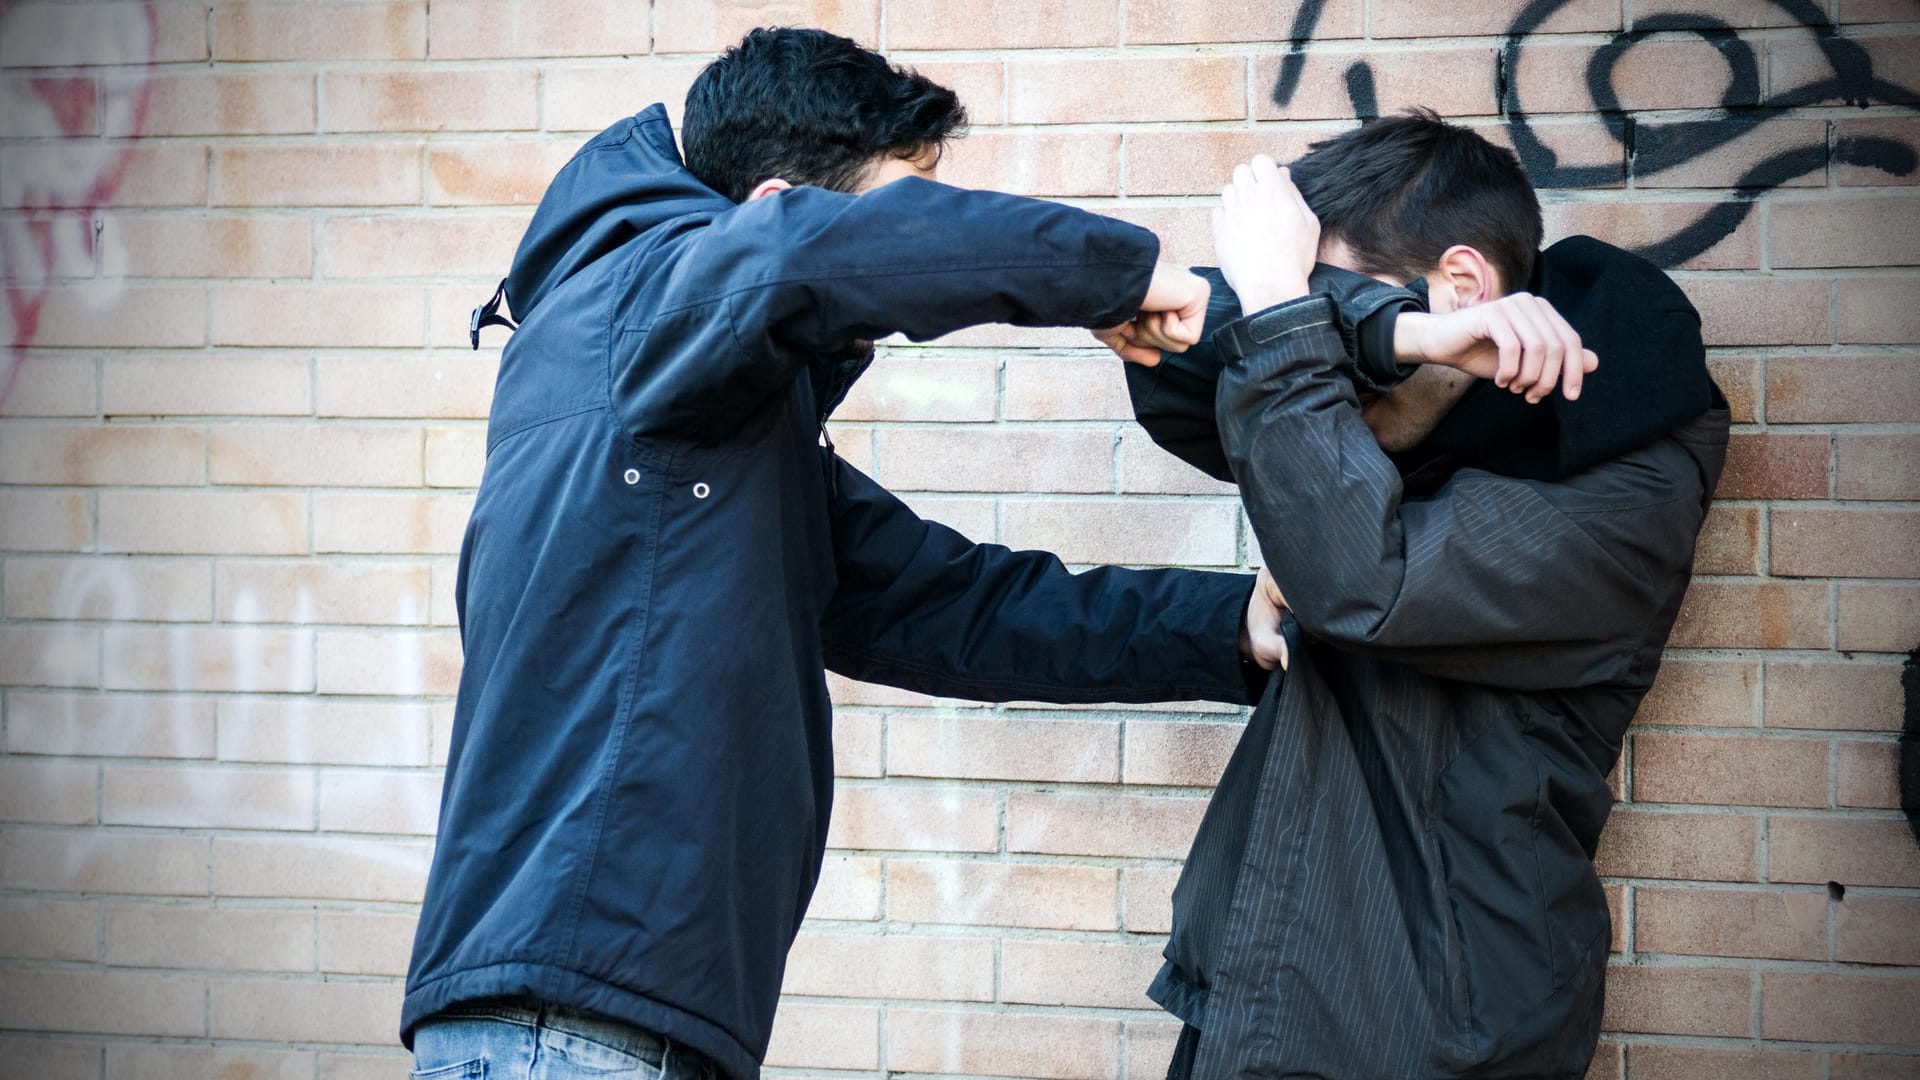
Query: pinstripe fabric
{"x": 1410, "y": 892}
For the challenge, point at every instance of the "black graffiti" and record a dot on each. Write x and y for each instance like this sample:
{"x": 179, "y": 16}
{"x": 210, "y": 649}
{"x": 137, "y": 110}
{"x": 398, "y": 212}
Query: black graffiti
{"x": 1651, "y": 148}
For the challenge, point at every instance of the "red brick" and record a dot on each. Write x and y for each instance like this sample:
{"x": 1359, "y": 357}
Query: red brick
{"x": 1452, "y": 81}
{"x": 339, "y": 316}
{"x": 1169, "y": 22}
{"x": 590, "y": 98}
{"x": 995, "y": 748}
{"x": 1731, "y": 164}
{"x": 67, "y": 35}
{"x": 981, "y": 85}
{"x": 207, "y": 247}
{"x": 1679, "y": 1001}
{"x": 36, "y": 928}
{"x": 493, "y": 99}
{"x": 1852, "y": 851}
{"x": 848, "y": 890}
{"x": 1773, "y": 466}
{"x": 1845, "y": 543}
{"x": 52, "y": 1059}
{"x": 167, "y": 175}
{"x": 1879, "y": 618}
{"x": 230, "y": 939}
{"x": 1739, "y": 378}
{"x": 441, "y": 387}
{"x": 1148, "y": 900}
{"x": 914, "y": 818}
{"x": 1760, "y": 310}
{"x": 1833, "y": 695}
{"x": 1797, "y": 62}
{"x": 1147, "y": 469}
{"x": 1048, "y": 91}
{"x": 208, "y": 104}
{"x": 1662, "y": 1062}
{"x": 1609, "y": 1062}
{"x": 324, "y": 455}
{"x": 1877, "y": 930}
{"x": 701, "y": 26}
{"x": 1703, "y": 693}
{"x": 114, "y": 725}
{"x": 105, "y": 1002}
{"x": 119, "y": 317}
{"x": 1729, "y": 541}
{"x": 420, "y": 247}
{"x": 1718, "y": 922}
{"x": 1692, "y": 847}
{"x": 1849, "y": 134}
{"x": 319, "y": 591}
{"x": 48, "y": 792}
{"x": 1768, "y": 615}
{"x": 1843, "y": 389}
{"x": 1726, "y": 770}
{"x": 1877, "y": 467}
{"x": 825, "y": 1036}
{"x": 1868, "y": 775}
{"x": 972, "y": 518}
{"x": 891, "y": 966}
{"x": 330, "y": 868}
{"x": 96, "y": 861}
{"x": 1185, "y": 533}
{"x": 1186, "y": 234}
{"x": 1001, "y": 24}
{"x": 1852, "y": 1066}
{"x": 46, "y": 174}
{"x": 1553, "y": 78}
{"x": 203, "y": 523}
{"x": 1635, "y": 225}
{"x": 1178, "y": 753}
{"x": 456, "y": 456}
{"x": 95, "y": 454}
{"x": 1878, "y": 310}
{"x": 372, "y": 31}
{"x": 1122, "y": 825}
{"x": 502, "y": 28}
{"x": 1002, "y": 1044}
{"x": 1806, "y": 1007}
{"x": 498, "y": 172}
{"x": 389, "y": 524}
{"x": 379, "y": 801}
{"x": 1054, "y": 165}
{"x": 911, "y": 388}
{"x": 339, "y": 174}
{"x": 1095, "y": 974}
{"x": 1827, "y": 231}
{"x": 1039, "y": 895}
{"x": 1576, "y": 143}
{"x": 1201, "y": 162}
{"x": 44, "y": 521}
{"x": 1439, "y": 18}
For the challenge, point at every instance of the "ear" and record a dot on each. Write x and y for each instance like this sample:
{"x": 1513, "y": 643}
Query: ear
{"x": 1468, "y": 273}
{"x": 767, "y": 187}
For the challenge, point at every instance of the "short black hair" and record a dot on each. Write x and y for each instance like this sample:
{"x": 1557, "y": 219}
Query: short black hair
{"x": 1401, "y": 190}
{"x": 809, "y": 107}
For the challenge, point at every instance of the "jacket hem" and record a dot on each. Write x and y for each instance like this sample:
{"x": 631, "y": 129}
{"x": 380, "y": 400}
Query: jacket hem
{"x": 560, "y": 986}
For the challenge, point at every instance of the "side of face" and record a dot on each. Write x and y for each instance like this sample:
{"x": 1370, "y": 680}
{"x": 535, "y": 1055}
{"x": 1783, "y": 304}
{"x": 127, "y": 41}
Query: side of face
{"x": 1405, "y": 415}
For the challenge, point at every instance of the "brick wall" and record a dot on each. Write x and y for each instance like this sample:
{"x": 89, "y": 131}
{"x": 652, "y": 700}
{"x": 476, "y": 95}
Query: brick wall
{"x": 241, "y": 432}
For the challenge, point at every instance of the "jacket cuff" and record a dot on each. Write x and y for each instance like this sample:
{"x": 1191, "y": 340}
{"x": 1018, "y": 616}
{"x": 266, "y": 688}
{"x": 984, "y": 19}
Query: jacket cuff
{"x": 1368, "y": 308}
{"x": 1128, "y": 253}
{"x": 1250, "y": 334}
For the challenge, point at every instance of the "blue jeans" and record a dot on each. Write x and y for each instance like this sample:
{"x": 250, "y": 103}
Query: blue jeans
{"x": 511, "y": 1040}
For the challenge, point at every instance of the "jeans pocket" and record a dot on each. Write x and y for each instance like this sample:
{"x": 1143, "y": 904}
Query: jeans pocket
{"x": 464, "y": 1070}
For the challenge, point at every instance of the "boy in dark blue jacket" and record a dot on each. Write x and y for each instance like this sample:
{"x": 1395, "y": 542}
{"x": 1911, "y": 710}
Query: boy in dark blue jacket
{"x": 666, "y": 556}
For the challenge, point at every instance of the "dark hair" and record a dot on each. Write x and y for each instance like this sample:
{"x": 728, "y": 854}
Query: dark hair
{"x": 809, "y": 107}
{"x": 1401, "y": 190}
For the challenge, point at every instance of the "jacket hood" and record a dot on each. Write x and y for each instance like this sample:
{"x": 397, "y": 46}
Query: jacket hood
{"x": 626, "y": 181}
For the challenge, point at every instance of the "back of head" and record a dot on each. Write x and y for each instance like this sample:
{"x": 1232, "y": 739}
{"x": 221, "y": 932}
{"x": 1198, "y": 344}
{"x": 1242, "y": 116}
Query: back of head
{"x": 1402, "y": 190}
{"x": 811, "y": 108}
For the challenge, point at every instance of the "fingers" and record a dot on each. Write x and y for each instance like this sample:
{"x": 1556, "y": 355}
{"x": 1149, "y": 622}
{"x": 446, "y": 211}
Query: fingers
{"x": 1547, "y": 350}
{"x": 1500, "y": 329}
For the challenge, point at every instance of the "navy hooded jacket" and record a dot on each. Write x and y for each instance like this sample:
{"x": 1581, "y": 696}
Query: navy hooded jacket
{"x": 663, "y": 560}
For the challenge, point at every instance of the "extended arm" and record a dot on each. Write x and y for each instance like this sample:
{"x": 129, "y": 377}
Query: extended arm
{"x": 919, "y": 606}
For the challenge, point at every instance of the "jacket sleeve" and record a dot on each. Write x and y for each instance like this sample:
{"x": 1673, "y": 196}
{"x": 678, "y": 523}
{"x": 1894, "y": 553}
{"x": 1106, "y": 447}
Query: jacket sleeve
{"x": 772, "y": 283}
{"x": 1174, "y": 400}
{"x": 1490, "y": 580}
{"x": 921, "y": 607}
